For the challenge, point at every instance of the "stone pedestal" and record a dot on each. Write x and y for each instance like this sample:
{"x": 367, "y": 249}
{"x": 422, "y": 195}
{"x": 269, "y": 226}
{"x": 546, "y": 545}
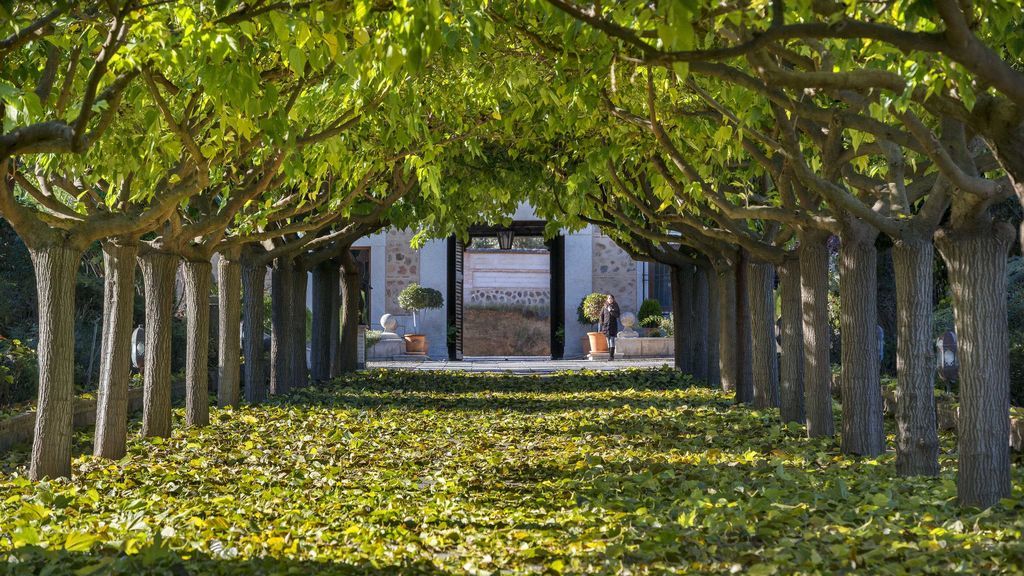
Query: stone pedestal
{"x": 599, "y": 356}
{"x": 387, "y": 348}
{"x": 391, "y": 345}
{"x": 645, "y": 347}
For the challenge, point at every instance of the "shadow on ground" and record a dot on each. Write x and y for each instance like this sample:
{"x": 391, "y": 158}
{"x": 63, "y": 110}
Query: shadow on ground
{"x": 159, "y": 560}
{"x": 413, "y": 473}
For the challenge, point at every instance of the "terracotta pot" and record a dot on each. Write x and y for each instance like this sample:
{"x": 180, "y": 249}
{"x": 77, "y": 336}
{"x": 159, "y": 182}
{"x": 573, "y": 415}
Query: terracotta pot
{"x": 598, "y": 342}
{"x": 416, "y": 344}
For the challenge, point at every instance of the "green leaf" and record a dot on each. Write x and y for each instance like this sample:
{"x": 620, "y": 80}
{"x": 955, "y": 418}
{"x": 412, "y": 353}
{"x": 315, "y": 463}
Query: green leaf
{"x": 297, "y": 60}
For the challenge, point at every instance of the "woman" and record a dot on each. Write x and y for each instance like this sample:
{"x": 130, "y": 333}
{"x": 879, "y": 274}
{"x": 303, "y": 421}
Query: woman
{"x": 609, "y": 324}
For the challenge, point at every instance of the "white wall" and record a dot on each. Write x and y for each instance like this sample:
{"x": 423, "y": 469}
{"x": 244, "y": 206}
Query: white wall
{"x": 579, "y": 281}
{"x": 434, "y": 274}
{"x": 507, "y": 270}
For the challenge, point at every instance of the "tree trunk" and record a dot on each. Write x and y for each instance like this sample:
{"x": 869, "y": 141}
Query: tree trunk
{"x": 229, "y": 312}
{"x": 253, "y": 278}
{"x": 760, "y": 291}
{"x": 679, "y": 326}
{"x": 351, "y": 289}
{"x": 700, "y": 324}
{"x": 689, "y": 300}
{"x": 727, "y": 340}
{"x": 977, "y": 274}
{"x": 281, "y": 332}
{"x": 158, "y": 271}
{"x": 711, "y": 319}
{"x": 683, "y": 308}
{"x": 816, "y": 341}
{"x": 791, "y": 365}
{"x": 917, "y": 439}
{"x": 197, "y": 353}
{"x": 115, "y": 351}
{"x": 862, "y": 432}
{"x": 320, "y": 346}
{"x": 744, "y": 363}
{"x": 56, "y": 268}
{"x": 335, "y": 327}
{"x": 300, "y": 367}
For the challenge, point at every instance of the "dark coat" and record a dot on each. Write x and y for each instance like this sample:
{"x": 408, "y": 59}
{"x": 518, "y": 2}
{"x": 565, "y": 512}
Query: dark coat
{"x": 609, "y": 324}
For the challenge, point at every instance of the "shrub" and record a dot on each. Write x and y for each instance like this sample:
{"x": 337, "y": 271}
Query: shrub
{"x": 660, "y": 326}
{"x": 1017, "y": 372}
{"x": 651, "y": 322}
{"x": 589, "y": 310}
{"x": 648, "y": 309}
{"x": 668, "y": 325}
{"x": 19, "y": 372}
{"x": 415, "y": 298}
{"x": 942, "y": 321}
{"x": 372, "y": 337}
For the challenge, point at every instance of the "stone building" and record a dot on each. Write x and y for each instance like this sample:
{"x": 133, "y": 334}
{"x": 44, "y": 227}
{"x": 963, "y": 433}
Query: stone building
{"x": 551, "y": 275}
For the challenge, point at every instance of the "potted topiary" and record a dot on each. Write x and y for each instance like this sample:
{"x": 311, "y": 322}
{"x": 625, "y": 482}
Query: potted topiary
{"x": 415, "y": 298}
{"x": 588, "y": 313}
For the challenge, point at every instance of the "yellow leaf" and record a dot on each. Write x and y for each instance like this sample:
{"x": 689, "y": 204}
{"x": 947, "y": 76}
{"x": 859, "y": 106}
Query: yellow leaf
{"x": 275, "y": 543}
{"x": 76, "y": 542}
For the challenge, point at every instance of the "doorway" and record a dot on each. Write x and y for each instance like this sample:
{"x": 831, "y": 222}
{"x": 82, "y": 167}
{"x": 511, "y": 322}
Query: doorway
{"x": 506, "y": 293}
{"x": 362, "y": 258}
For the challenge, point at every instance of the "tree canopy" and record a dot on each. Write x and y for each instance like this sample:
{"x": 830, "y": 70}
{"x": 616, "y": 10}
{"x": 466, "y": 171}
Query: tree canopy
{"x": 730, "y": 136}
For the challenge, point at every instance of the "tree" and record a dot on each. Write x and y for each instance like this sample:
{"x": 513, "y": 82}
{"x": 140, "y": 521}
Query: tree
{"x": 764, "y": 51}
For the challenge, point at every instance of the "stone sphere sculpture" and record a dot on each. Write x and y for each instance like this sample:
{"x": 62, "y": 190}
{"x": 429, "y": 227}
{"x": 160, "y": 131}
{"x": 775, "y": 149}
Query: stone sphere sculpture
{"x": 388, "y": 322}
{"x": 628, "y": 320}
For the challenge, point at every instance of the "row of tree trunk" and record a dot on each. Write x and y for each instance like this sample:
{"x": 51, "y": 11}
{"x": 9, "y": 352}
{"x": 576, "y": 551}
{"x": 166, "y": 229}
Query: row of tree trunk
{"x": 795, "y": 375}
{"x": 240, "y": 334}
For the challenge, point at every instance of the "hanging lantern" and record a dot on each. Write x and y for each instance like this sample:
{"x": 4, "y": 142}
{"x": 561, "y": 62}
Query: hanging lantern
{"x": 505, "y": 238}
{"x": 946, "y": 361}
{"x": 139, "y": 348}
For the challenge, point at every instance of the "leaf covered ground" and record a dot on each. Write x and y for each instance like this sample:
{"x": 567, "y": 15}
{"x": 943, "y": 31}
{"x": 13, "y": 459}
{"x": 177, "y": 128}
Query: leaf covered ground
{"x": 630, "y": 472}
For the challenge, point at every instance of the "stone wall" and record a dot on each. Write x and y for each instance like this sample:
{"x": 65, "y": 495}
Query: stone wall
{"x": 485, "y": 297}
{"x": 19, "y": 430}
{"x": 402, "y": 268}
{"x": 614, "y": 272}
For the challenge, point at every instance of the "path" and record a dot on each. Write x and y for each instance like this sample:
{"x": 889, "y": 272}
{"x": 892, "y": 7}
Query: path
{"x": 518, "y": 364}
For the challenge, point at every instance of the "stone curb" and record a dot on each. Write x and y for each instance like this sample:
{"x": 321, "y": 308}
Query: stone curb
{"x": 20, "y": 429}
